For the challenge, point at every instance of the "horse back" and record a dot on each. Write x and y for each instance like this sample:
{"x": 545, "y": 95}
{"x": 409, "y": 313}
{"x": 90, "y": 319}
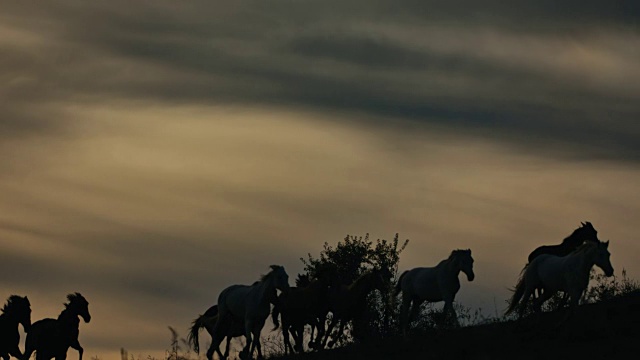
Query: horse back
{"x": 233, "y": 300}
{"x": 424, "y": 283}
{"x": 557, "y": 250}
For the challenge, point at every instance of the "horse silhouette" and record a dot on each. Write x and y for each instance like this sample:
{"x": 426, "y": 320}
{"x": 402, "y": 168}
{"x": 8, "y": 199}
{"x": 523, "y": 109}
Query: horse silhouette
{"x": 586, "y": 232}
{"x": 433, "y": 284}
{"x": 51, "y": 338}
{"x": 230, "y": 327}
{"x": 553, "y": 273}
{"x": 348, "y": 302}
{"x": 299, "y": 307}
{"x": 251, "y": 303}
{"x": 16, "y": 311}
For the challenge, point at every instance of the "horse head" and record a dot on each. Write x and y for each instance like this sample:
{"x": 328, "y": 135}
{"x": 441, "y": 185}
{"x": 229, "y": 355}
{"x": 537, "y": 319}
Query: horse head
{"x": 280, "y": 278}
{"x": 20, "y": 308}
{"x": 603, "y": 258}
{"x": 585, "y": 233}
{"x": 464, "y": 262}
{"x": 79, "y": 306}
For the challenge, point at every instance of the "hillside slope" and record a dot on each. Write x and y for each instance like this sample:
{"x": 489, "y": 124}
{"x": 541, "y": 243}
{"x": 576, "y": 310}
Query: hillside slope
{"x": 607, "y": 330}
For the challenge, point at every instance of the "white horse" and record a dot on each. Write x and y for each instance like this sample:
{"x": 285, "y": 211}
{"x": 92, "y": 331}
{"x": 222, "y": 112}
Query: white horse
{"x": 569, "y": 274}
{"x": 251, "y": 303}
{"x": 433, "y": 284}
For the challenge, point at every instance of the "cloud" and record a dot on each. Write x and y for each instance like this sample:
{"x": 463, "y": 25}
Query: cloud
{"x": 571, "y": 92}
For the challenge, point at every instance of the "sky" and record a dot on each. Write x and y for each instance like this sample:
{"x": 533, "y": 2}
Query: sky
{"x": 155, "y": 152}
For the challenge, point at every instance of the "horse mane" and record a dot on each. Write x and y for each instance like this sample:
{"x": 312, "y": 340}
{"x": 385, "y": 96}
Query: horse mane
{"x": 457, "y": 252}
{"x": 12, "y": 300}
{"x": 583, "y": 225}
{"x": 74, "y": 298}
{"x": 585, "y": 247}
{"x": 273, "y": 268}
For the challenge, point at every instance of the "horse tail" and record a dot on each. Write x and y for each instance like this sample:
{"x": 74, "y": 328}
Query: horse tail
{"x": 398, "y": 286}
{"x": 192, "y": 337}
{"x": 518, "y": 291}
{"x": 274, "y": 314}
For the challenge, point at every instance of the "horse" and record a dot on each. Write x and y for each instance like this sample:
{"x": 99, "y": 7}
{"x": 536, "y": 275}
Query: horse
{"x": 586, "y": 232}
{"x": 433, "y": 284}
{"x": 251, "y": 303}
{"x": 347, "y": 302}
{"x": 51, "y": 338}
{"x": 16, "y": 311}
{"x": 569, "y": 274}
{"x": 299, "y": 307}
{"x": 232, "y": 327}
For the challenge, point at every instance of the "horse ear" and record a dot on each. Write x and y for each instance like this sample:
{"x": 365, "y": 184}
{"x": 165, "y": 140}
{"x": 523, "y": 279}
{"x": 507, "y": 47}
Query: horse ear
{"x": 606, "y": 244}
{"x": 582, "y": 223}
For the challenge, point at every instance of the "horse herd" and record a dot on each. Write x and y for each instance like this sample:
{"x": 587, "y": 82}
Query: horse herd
{"x": 49, "y": 338}
{"x": 242, "y": 310}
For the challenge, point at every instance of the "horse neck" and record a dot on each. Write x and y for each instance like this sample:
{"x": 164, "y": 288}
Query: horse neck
{"x": 584, "y": 260}
{"x": 572, "y": 241}
{"x": 265, "y": 288}
{"x": 69, "y": 316}
{"x": 449, "y": 266}
{"x": 10, "y": 317}
{"x": 361, "y": 287}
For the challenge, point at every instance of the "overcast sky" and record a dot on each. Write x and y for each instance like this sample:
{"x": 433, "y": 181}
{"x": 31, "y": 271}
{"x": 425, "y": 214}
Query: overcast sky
{"x": 154, "y": 152}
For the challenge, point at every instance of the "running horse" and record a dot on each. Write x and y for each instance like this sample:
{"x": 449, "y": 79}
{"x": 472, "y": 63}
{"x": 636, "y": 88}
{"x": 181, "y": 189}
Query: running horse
{"x": 51, "y": 338}
{"x": 433, "y": 284}
{"x": 230, "y": 328}
{"x": 252, "y": 304}
{"x": 569, "y": 274}
{"x": 299, "y": 307}
{"x": 586, "y": 232}
{"x": 348, "y": 302}
{"x": 16, "y": 311}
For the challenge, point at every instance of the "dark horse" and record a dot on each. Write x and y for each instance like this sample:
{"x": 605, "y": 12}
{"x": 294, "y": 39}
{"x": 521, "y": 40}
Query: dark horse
{"x": 586, "y": 232}
{"x": 51, "y": 338}
{"x": 348, "y": 302}
{"x": 232, "y": 327}
{"x": 16, "y": 311}
{"x": 299, "y": 307}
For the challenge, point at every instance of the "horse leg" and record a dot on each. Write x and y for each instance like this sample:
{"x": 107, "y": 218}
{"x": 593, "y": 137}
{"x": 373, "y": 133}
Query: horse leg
{"x": 415, "y": 310}
{"x": 287, "y": 339}
{"x": 332, "y": 324}
{"x": 76, "y": 345}
{"x": 226, "y": 349}
{"x": 339, "y": 334}
{"x": 299, "y": 338}
{"x": 544, "y": 296}
{"x": 450, "y": 312}
{"x": 15, "y": 352}
{"x": 210, "y": 352}
{"x": 404, "y": 313}
{"x": 246, "y": 354}
{"x": 528, "y": 291}
{"x": 256, "y": 341}
{"x": 259, "y": 347}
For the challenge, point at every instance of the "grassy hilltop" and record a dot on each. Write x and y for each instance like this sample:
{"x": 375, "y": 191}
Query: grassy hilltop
{"x": 606, "y": 330}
